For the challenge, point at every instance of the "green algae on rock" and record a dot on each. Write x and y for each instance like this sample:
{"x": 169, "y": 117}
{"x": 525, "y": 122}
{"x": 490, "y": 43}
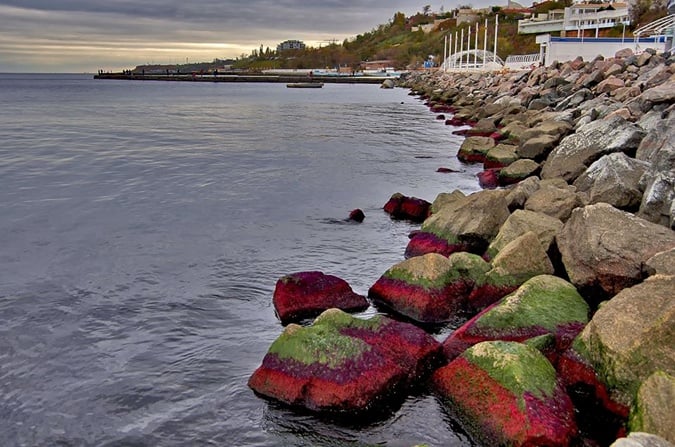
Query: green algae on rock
{"x": 345, "y": 364}
{"x": 507, "y": 393}
{"x": 542, "y": 305}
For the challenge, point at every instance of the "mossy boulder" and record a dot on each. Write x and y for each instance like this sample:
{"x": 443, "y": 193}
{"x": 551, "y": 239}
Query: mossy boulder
{"x": 500, "y": 156}
{"x": 507, "y": 393}
{"x": 446, "y": 199}
{"x": 543, "y": 305}
{"x": 521, "y": 259}
{"x": 344, "y": 364}
{"x": 429, "y": 288}
{"x": 469, "y": 225}
{"x": 307, "y": 294}
{"x": 632, "y": 336}
{"x": 654, "y": 408}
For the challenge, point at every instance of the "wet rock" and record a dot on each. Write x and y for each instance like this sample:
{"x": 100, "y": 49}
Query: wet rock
{"x": 542, "y": 305}
{"x": 603, "y": 249}
{"x": 507, "y": 393}
{"x": 469, "y": 226}
{"x": 475, "y": 149}
{"x": 577, "y": 151}
{"x": 489, "y": 178}
{"x": 427, "y": 289}
{"x": 654, "y": 410}
{"x": 631, "y": 337}
{"x": 306, "y": 294}
{"x": 403, "y": 207}
{"x": 500, "y": 156}
{"x": 344, "y": 364}
{"x": 613, "y": 179}
{"x": 357, "y": 215}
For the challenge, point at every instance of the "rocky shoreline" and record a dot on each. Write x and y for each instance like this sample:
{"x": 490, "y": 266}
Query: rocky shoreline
{"x": 561, "y": 271}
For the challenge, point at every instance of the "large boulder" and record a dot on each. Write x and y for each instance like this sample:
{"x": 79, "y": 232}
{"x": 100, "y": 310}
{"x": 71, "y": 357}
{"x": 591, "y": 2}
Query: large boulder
{"x": 632, "y": 336}
{"x": 307, "y": 294}
{"x": 542, "y": 305}
{"x": 601, "y": 137}
{"x": 469, "y": 225}
{"x": 522, "y": 221}
{"x": 446, "y": 199}
{"x": 538, "y": 147}
{"x": 507, "y": 393}
{"x": 555, "y": 201}
{"x": 500, "y": 156}
{"x": 429, "y": 288}
{"x": 603, "y": 249}
{"x": 658, "y": 148}
{"x": 614, "y": 179}
{"x": 344, "y": 364}
{"x": 519, "y": 193}
{"x": 654, "y": 409}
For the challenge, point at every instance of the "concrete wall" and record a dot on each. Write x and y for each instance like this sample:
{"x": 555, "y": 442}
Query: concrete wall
{"x": 566, "y": 49}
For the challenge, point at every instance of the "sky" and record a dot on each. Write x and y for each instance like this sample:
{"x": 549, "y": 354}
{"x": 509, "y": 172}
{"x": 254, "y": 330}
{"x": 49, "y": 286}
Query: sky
{"x": 83, "y": 36}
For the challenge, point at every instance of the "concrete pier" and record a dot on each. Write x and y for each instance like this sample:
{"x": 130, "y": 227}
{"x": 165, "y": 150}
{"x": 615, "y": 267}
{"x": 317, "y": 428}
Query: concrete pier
{"x": 284, "y": 79}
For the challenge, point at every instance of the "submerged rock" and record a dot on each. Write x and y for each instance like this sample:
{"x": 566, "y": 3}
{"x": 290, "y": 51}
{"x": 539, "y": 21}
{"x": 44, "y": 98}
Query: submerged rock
{"x": 507, "y": 393}
{"x": 404, "y": 207}
{"x": 306, "y": 294}
{"x": 344, "y": 364}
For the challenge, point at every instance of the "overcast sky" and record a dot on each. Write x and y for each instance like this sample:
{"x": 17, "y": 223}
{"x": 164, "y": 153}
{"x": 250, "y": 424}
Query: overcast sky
{"x": 87, "y": 35}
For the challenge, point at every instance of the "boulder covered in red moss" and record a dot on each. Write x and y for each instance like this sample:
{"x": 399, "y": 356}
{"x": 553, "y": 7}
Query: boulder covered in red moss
{"x": 429, "y": 288}
{"x": 357, "y": 215}
{"x": 403, "y": 207}
{"x": 307, "y": 294}
{"x": 543, "y": 305}
{"x": 345, "y": 364}
{"x": 507, "y": 393}
{"x": 488, "y": 178}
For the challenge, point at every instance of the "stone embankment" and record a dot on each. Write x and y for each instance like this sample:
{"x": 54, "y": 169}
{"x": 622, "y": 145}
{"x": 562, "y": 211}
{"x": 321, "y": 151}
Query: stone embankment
{"x": 564, "y": 267}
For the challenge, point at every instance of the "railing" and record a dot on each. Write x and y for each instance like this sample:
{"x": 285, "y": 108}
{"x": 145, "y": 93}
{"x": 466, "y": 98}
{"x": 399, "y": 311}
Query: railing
{"x": 522, "y": 61}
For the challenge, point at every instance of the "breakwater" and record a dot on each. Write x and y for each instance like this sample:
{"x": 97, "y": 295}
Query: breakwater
{"x": 563, "y": 265}
{"x": 250, "y": 78}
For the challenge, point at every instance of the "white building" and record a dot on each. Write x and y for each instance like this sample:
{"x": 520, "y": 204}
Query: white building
{"x": 576, "y": 19}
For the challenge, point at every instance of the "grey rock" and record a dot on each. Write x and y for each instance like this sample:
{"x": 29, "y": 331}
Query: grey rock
{"x": 614, "y": 179}
{"x": 577, "y": 151}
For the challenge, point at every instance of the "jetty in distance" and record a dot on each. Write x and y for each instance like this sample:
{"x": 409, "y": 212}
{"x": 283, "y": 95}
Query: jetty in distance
{"x": 244, "y": 77}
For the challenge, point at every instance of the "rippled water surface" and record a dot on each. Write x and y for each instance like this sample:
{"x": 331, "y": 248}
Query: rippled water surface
{"x": 143, "y": 226}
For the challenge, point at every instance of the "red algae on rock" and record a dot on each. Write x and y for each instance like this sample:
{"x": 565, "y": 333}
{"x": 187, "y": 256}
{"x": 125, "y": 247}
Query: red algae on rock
{"x": 306, "y": 294}
{"x": 343, "y": 364}
{"x": 507, "y": 393}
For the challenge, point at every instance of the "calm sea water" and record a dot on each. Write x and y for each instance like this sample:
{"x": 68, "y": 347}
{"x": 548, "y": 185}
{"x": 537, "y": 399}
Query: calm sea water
{"x": 143, "y": 226}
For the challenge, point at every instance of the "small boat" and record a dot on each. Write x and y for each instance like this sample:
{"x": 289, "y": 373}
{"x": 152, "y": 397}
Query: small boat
{"x": 305, "y": 85}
